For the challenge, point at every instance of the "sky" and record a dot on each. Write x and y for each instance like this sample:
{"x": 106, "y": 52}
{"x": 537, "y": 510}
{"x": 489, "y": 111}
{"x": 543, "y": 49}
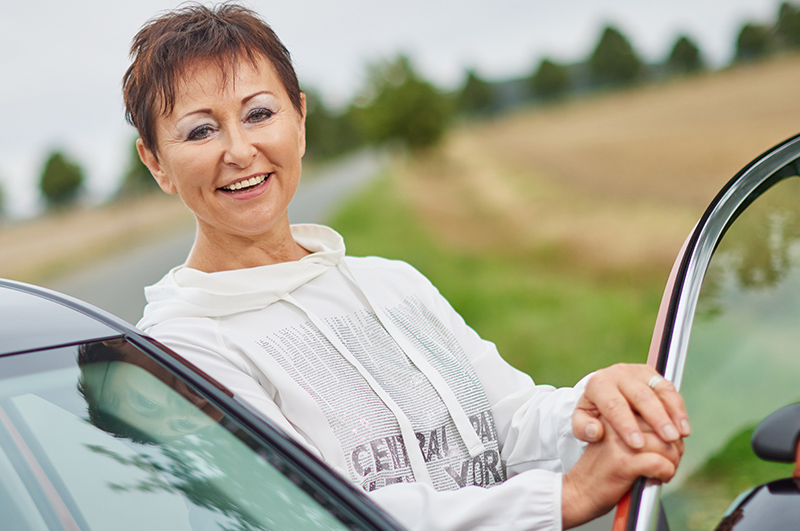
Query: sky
{"x": 61, "y": 62}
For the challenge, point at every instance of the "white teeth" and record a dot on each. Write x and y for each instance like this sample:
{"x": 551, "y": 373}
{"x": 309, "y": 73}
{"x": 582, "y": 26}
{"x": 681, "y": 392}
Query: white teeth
{"x": 252, "y": 181}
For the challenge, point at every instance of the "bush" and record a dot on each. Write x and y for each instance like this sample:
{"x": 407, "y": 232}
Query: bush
{"x": 550, "y": 80}
{"x": 476, "y": 97}
{"x": 787, "y": 29}
{"x": 328, "y": 133}
{"x": 137, "y": 179}
{"x": 685, "y": 56}
{"x": 613, "y": 61}
{"x": 2, "y": 201}
{"x": 400, "y": 106}
{"x": 61, "y": 180}
{"x": 752, "y": 42}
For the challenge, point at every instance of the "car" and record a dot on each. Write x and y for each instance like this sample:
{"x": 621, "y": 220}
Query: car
{"x": 728, "y": 336}
{"x": 101, "y": 427}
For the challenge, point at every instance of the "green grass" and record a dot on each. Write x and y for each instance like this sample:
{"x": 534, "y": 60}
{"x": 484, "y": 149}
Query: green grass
{"x": 553, "y": 321}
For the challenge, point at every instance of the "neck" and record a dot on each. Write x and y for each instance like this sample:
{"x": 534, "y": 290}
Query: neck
{"x": 214, "y": 251}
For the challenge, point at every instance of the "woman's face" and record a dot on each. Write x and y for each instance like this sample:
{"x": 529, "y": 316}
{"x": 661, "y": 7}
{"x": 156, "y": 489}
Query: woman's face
{"x": 151, "y": 406}
{"x": 231, "y": 149}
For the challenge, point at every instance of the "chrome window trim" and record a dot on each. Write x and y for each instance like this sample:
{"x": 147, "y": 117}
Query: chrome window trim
{"x": 742, "y": 189}
{"x": 718, "y": 218}
{"x": 646, "y": 517}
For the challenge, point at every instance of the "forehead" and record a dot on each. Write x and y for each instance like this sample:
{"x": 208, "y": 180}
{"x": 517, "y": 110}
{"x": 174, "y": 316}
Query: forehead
{"x": 210, "y": 79}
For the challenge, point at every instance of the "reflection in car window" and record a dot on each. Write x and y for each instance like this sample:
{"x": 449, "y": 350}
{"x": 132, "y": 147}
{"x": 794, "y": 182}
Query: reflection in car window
{"x": 117, "y": 442}
{"x": 742, "y": 362}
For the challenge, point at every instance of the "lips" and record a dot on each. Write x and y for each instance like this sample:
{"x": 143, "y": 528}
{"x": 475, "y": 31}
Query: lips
{"x": 246, "y": 184}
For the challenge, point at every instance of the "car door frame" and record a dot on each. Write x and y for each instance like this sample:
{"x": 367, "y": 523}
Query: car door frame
{"x": 669, "y": 346}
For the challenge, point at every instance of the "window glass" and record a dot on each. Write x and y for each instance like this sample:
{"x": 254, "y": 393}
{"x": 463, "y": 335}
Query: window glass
{"x": 102, "y": 437}
{"x": 743, "y": 360}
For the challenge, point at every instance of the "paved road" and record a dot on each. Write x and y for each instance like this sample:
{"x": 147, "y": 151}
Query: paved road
{"x": 116, "y": 284}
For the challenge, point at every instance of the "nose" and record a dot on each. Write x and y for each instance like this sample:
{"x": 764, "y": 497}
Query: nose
{"x": 239, "y": 150}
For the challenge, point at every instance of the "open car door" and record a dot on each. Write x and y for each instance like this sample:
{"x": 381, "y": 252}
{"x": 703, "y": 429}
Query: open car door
{"x": 728, "y": 336}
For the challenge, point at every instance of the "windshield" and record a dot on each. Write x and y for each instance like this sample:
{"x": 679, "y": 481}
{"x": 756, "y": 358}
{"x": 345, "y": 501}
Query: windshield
{"x": 100, "y": 436}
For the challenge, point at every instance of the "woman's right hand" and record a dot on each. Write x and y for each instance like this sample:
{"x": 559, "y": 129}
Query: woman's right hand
{"x": 607, "y": 470}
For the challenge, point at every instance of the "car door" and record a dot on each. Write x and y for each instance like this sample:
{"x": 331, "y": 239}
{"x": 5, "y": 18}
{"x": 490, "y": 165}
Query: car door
{"x": 728, "y": 336}
{"x": 116, "y": 433}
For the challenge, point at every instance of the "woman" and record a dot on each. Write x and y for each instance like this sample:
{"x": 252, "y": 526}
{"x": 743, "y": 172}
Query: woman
{"x": 360, "y": 359}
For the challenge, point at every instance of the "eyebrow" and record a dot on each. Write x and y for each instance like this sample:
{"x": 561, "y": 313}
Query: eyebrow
{"x": 251, "y": 96}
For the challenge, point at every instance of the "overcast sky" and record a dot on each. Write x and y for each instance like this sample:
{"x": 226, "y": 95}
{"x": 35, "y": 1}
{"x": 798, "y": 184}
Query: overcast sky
{"x": 61, "y": 61}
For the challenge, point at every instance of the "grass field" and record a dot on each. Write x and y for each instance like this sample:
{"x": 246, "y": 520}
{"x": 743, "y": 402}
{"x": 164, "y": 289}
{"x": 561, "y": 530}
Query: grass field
{"x": 553, "y": 230}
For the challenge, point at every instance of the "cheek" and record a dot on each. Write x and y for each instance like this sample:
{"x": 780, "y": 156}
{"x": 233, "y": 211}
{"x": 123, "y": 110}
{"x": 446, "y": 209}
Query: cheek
{"x": 294, "y": 146}
{"x": 188, "y": 168}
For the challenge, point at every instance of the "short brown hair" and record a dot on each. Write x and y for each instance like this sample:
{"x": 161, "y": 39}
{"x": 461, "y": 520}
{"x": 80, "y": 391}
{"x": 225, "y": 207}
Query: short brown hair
{"x": 166, "y": 44}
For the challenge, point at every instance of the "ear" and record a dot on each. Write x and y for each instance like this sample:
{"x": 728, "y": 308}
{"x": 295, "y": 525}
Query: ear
{"x": 303, "y": 124}
{"x": 150, "y": 160}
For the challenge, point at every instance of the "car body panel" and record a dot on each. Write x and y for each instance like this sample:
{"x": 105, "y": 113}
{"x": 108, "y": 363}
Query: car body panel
{"x": 30, "y": 321}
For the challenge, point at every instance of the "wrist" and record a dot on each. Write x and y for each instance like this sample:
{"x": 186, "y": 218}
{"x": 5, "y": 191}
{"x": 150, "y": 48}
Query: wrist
{"x": 573, "y": 512}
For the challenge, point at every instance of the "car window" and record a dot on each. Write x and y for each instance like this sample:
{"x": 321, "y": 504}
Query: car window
{"x": 742, "y": 361}
{"x": 99, "y": 436}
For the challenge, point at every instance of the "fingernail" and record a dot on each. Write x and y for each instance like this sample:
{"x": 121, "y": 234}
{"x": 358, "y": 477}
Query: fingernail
{"x": 685, "y": 427}
{"x": 636, "y": 440}
{"x": 670, "y": 433}
{"x": 591, "y": 431}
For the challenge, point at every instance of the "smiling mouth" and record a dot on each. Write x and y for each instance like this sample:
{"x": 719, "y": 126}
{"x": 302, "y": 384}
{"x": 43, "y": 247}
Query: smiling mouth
{"x": 246, "y": 184}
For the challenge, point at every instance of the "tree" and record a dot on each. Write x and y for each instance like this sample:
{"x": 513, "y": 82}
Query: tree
{"x": 550, "y": 80}
{"x": 61, "y": 180}
{"x": 685, "y": 56}
{"x": 613, "y": 61}
{"x": 400, "y": 106}
{"x": 2, "y": 201}
{"x": 787, "y": 28}
{"x": 476, "y": 97}
{"x": 137, "y": 179}
{"x": 752, "y": 42}
{"x": 327, "y": 133}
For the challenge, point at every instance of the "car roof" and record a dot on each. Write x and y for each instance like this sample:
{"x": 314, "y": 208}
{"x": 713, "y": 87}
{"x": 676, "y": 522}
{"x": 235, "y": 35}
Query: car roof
{"x": 33, "y": 318}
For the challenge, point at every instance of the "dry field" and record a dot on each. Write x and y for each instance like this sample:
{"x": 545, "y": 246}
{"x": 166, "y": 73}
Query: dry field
{"x": 616, "y": 180}
{"x": 43, "y": 248}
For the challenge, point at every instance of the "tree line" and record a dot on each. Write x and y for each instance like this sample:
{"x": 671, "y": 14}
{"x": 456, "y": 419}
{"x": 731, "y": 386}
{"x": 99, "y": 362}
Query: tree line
{"x": 398, "y": 107}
